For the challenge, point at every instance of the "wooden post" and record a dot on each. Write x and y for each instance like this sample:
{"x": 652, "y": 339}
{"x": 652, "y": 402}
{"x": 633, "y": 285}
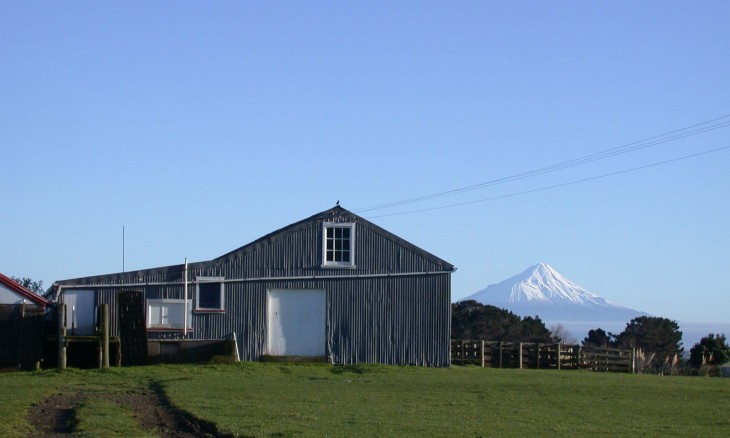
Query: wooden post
{"x": 580, "y": 363}
{"x": 633, "y": 360}
{"x": 520, "y": 355}
{"x": 500, "y": 354}
{"x": 105, "y": 335}
{"x": 20, "y": 342}
{"x": 558, "y": 352}
{"x": 538, "y": 356}
{"x": 118, "y": 362}
{"x": 61, "y": 315}
{"x": 481, "y": 361}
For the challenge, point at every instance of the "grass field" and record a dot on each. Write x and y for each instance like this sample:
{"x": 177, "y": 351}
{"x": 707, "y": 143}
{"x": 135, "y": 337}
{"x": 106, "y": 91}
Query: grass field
{"x": 292, "y": 400}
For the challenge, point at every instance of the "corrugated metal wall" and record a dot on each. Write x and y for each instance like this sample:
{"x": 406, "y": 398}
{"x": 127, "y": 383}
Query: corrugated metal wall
{"x": 299, "y": 253}
{"x": 403, "y": 319}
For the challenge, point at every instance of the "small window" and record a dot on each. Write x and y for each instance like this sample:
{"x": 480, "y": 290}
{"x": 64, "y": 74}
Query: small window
{"x": 338, "y": 244}
{"x": 167, "y": 314}
{"x": 209, "y": 295}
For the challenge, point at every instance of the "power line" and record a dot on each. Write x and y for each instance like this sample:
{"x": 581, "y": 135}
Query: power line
{"x": 509, "y": 195}
{"x": 630, "y": 147}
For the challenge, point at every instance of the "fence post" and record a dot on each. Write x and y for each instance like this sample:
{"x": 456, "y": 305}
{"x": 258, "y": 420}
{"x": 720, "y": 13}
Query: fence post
{"x": 105, "y": 335}
{"x": 633, "y": 360}
{"x": 61, "y": 326}
{"x": 500, "y": 354}
{"x": 482, "y": 353}
{"x": 463, "y": 351}
{"x": 520, "y": 355}
{"x": 558, "y": 352}
{"x": 580, "y": 364}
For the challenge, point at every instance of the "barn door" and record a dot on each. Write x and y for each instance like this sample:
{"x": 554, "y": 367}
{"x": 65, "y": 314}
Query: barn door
{"x": 132, "y": 328}
{"x": 296, "y": 322}
{"x": 80, "y": 312}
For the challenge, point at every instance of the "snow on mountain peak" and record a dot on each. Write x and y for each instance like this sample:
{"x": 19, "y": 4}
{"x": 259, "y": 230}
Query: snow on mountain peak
{"x": 540, "y": 283}
{"x": 542, "y": 290}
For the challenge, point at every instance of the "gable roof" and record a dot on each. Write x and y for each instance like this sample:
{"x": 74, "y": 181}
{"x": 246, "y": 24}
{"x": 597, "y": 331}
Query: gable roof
{"x": 23, "y": 292}
{"x": 336, "y": 213}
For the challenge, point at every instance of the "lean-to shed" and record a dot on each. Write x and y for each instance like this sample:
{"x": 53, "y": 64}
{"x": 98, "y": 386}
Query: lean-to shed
{"x": 333, "y": 285}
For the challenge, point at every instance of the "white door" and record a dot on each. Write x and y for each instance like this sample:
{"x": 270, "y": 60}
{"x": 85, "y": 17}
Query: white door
{"x": 297, "y": 322}
{"x": 80, "y": 312}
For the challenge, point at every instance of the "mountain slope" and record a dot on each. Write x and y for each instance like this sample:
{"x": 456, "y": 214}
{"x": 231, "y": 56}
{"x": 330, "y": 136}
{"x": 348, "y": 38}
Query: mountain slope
{"x": 541, "y": 290}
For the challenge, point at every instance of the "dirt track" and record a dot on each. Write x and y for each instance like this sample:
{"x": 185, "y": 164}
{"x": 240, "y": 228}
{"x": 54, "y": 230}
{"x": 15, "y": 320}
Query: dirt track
{"x": 56, "y": 415}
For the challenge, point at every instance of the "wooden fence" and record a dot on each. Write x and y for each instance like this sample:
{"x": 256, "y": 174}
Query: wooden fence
{"x": 22, "y": 330}
{"x": 558, "y": 356}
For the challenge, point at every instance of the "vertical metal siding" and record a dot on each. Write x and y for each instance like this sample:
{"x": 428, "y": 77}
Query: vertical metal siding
{"x": 403, "y": 320}
{"x": 390, "y": 320}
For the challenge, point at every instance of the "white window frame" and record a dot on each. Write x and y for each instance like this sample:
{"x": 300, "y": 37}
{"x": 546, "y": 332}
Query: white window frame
{"x": 167, "y": 302}
{"x": 198, "y": 281}
{"x": 341, "y": 264}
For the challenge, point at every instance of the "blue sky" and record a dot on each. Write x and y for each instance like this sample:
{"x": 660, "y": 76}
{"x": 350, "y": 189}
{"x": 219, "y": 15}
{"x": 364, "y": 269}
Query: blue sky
{"x": 201, "y": 126}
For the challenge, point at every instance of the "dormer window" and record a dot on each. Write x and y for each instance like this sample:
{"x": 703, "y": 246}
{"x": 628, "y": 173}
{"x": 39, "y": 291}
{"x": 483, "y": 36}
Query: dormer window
{"x": 338, "y": 244}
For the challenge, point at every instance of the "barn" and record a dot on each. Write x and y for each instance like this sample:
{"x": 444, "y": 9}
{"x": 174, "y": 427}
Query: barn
{"x": 333, "y": 286}
{"x": 22, "y": 325}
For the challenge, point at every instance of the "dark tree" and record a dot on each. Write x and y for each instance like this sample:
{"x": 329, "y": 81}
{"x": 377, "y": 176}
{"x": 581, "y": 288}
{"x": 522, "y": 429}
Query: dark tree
{"x": 473, "y": 320}
{"x": 653, "y": 335}
{"x": 28, "y": 283}
{"x": 711, "y": 350}
{"x": 534, "y": 330}
{"x": 599, "y": 338}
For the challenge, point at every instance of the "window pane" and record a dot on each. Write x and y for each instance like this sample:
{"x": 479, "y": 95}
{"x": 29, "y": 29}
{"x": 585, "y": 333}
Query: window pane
{"x": 338, "y": 244}
{"x": 209, "y": 295}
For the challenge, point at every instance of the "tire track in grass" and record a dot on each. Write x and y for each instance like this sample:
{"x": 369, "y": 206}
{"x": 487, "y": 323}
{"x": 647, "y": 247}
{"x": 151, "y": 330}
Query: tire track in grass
{"x": 57, "y": 415}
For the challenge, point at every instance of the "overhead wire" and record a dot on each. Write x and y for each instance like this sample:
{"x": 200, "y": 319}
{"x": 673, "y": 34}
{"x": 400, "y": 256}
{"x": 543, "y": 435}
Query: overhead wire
{"x": 554, "y": 186}
{"x": 630, "y": 147}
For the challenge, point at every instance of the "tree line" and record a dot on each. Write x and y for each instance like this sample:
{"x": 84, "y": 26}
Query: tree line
{"x": 658, "y": 340}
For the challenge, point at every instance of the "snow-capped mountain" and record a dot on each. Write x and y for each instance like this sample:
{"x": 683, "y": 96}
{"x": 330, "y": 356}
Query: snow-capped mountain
{"x": 543, "y": 291}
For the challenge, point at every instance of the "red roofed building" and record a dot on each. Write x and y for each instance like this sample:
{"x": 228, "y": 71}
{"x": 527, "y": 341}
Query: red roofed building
{"x": 22, "y": 325}
{"x": 13, "y": 293}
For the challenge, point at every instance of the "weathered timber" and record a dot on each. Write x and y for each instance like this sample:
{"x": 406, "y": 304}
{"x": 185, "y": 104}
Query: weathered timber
{"x": 559, "y": 356}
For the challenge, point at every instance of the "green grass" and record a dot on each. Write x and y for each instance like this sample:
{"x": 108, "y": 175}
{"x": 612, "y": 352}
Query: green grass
{"x": 17, "y": 394}
{"x": 100, "y": 417}
{"x": 304, "y": 400}
{"x": 19, "y": 391}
